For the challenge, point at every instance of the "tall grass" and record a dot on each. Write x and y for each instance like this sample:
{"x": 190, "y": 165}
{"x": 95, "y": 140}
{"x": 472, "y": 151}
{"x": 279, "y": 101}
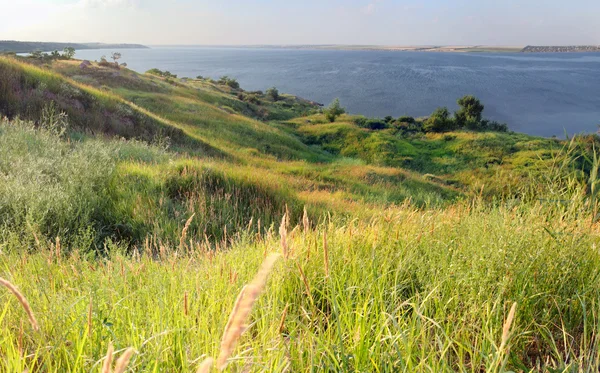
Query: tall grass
{"x": 409, "y": 291}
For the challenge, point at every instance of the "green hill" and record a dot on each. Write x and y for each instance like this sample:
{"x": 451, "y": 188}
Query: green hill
{"x": 134, "y": 208}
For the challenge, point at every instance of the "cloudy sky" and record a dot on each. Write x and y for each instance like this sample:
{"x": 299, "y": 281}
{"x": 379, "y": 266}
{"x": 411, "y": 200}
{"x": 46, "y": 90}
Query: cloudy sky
{"x": 231, "y": 22}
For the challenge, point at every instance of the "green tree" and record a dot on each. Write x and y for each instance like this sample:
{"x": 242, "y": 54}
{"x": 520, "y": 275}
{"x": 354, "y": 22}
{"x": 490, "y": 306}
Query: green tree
{"x": 69, "y": 52}
{"x": 470, "y": 112}
{"x": 439, "y": 121}
{"x": 334, "y": 110}
{"x": 273, "y": 93}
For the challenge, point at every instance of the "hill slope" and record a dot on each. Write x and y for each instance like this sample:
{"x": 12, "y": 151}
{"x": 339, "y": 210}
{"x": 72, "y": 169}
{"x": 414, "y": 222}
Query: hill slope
{"x": 134, "y": 208}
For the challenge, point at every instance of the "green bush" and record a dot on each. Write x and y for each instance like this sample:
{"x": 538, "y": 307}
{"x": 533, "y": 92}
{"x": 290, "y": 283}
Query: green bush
{"x": 51, "y": 187}
{"x": 273, "y": 93}
{"x": 230, "y": 82}
{"x": 440, "y": 121}
{"x": 406, "y": 119}
{"x": 334, "y": 110}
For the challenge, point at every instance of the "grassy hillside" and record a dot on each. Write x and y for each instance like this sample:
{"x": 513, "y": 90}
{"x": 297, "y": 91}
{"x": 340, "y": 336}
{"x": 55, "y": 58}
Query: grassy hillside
{"x": 135, "y": 207}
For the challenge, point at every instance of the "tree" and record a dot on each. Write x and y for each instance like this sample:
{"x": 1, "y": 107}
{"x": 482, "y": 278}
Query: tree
{"x": 231, "y": 82}
{"x": 439, "y": 121}
{"x": 334, "y": 110}
{"x": 115, "y": 56}
{"x": 470, "y": 111}
{"x": 68, "y": 52}
{"x": 273, "y": 93}
{"x": 55, "y": 55}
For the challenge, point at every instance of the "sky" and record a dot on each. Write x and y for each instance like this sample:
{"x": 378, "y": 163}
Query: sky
{"x": 276, "y": 22}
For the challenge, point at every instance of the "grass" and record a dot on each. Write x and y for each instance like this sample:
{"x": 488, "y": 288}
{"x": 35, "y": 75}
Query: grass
{"x": 469, "y": 252}
{"x": 429, "y": 292}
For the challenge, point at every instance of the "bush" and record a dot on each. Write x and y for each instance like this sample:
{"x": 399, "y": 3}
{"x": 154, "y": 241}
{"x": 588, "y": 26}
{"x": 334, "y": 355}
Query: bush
{"x": 51, "y": 188}
{"x": 440, "y": 121}
{"x": 273, "y": 93}
{"x": 157, "y": 72}
{"x": 334, "y": 110}
{"x": 376, "y": 124}
{"x": 360, "y": 121}
{"x": 406, "y": 119}
{"x": 230, "y": 82}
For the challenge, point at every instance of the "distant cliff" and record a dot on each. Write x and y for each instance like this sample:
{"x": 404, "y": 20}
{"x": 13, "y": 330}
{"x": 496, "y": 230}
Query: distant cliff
{"x": 561, "y": 49}
{"x": 31, "y": 46}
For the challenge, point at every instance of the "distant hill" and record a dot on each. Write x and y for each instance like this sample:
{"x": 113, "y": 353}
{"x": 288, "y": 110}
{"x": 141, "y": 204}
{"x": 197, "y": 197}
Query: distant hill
{"x": 31, "y": 46}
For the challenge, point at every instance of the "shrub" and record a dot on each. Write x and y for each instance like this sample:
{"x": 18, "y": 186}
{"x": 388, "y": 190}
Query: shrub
{"x": 158, "y": 72}
{"x": 155, "y": 71}
{"x": 230, "y": 82}
{"x": 51, "y": 188}
{"x": 360, "y": 121}
{"x": 439, "y": 121}
{"x": 273, "y": 93}
{"x": 376, "y": 124}
{"x": 334, "y": 110}
{"x": 406, "y": 119}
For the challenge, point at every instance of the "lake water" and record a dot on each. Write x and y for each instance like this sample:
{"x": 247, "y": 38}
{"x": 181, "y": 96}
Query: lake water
{"x": 540, "y": 94}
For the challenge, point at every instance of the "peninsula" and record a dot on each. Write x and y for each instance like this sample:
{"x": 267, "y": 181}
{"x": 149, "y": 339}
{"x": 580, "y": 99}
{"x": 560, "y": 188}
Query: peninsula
{"x": 32, "y": 46}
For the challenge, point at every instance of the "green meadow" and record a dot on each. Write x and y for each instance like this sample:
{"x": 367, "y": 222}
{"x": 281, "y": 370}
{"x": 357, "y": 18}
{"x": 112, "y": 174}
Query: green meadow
{"x": 136, "y": 210}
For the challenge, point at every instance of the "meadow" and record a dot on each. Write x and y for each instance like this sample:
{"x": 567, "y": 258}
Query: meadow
{"x": 136, "y": 212}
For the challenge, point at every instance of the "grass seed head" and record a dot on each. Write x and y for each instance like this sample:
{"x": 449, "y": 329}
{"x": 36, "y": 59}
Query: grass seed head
{"x": 121, "y": 364}
{"x": 21, "y": 300}
{"x": 108, "y": 359}
{"x": 206, "y": 365}
{"x": 236, "y": 325}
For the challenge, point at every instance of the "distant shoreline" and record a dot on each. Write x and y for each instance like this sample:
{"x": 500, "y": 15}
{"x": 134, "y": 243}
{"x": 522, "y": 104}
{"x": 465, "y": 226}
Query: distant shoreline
{"x": 13, "y": 46}
{"x": 419, "y": 48}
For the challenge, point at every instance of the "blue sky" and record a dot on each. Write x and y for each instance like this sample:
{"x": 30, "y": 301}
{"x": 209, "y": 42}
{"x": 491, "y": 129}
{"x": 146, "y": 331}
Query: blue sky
{"x": 381, "y": 22}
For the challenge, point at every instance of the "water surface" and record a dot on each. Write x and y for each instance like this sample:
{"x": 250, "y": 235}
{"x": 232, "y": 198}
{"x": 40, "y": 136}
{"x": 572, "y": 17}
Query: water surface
{"x": 540, "y": 94}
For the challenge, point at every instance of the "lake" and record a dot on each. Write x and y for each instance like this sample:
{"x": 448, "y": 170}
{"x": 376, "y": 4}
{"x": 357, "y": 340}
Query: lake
{"x": 539, "y": 94}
